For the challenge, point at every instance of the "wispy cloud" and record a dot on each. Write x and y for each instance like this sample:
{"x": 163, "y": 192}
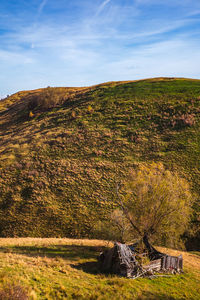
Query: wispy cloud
{"x": 173, "y": 57}
{"x": 102, "y": 6}
{"x": 15, "y": 58}
{"x": 41, "y": 6}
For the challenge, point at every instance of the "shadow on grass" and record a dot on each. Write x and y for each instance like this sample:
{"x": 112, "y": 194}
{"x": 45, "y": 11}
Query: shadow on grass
{"x": 90, "y": 267}
{"x": 72, "y": 252}
{"x": 75, "y": 252}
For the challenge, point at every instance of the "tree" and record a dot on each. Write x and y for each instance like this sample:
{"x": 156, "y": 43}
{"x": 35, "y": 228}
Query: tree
{"x": 155, "y": 202}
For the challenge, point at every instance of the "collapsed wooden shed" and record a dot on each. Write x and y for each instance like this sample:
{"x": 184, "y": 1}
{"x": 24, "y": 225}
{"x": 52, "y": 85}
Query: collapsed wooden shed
{"x": 125, "y": 261}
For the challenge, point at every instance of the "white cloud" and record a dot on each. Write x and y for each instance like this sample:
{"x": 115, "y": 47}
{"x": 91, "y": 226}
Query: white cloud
{"x": 102, "y": 6}
{"x": 175, "y": 57}
{"x": 15, "y": 58}
{"x": 41, "y": 6}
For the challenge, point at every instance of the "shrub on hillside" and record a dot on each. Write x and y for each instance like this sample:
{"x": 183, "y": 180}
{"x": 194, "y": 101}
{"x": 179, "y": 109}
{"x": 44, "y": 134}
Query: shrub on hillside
{"x": 47, "y": 98}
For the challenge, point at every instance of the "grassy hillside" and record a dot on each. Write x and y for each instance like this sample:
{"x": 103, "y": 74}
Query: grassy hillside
{"x": 67, "y": 269}
{"x": 62, "y": 149}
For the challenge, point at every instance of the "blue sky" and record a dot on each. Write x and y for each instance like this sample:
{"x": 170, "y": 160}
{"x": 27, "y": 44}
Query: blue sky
{"x": 83, "y": 42}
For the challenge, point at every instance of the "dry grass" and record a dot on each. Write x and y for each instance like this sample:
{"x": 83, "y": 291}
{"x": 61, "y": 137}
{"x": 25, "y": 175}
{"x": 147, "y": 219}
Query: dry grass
{"x": 4, "y": 242}
{"x": 67, "y": 269}
{"x": 190, "y": 259}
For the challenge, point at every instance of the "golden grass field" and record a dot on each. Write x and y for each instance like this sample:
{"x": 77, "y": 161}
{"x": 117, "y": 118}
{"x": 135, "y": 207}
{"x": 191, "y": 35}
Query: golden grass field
{"x": 57, "y": 268}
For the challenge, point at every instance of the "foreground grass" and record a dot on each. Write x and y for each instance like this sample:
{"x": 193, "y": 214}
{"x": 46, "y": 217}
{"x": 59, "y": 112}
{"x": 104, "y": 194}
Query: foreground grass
{"x": 67, "y": 269}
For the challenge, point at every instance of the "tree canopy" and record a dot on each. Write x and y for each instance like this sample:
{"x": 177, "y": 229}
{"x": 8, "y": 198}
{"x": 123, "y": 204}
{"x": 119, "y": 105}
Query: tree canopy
{"x": 155, "y": 202}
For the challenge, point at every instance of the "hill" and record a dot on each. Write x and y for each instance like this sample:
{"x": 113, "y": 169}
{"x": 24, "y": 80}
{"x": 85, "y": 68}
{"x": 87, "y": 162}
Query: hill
{"x": 62, "y": 149}
{"x": 68, "y": 269}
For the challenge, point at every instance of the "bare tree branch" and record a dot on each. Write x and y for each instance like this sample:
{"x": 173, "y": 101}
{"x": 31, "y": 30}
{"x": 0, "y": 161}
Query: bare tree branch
{"x": 125, "y": 211}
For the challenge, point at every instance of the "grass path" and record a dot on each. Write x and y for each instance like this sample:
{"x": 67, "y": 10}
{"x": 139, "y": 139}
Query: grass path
{"x": 67, "y": 269}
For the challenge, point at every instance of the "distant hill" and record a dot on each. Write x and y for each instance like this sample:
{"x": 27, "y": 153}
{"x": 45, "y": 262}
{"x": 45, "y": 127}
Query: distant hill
{"x": 62, "y": 149}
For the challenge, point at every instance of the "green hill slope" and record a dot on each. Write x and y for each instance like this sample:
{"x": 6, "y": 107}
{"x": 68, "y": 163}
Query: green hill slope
{"x": 63, "y": 148}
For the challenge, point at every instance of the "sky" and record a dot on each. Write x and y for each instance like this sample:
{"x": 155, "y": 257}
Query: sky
{"x": 84, "y": 42}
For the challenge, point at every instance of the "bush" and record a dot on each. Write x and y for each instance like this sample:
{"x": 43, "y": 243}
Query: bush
{"x": 47, "y": 98}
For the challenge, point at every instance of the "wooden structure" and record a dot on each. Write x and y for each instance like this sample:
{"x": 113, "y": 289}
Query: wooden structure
{"x": 124, "y": 260}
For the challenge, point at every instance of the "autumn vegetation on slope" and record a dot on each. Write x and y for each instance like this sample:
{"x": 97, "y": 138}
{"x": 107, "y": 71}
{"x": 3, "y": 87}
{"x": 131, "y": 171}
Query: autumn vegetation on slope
{"x": 63, "y": 149}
